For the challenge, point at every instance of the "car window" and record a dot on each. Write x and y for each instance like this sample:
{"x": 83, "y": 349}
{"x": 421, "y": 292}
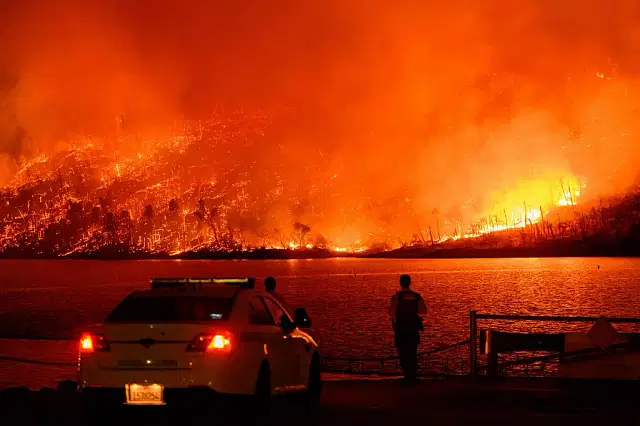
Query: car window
{"x": 172, "y": 309}
{"x": 258, "y": 313}
{"x": 276, "y": 310}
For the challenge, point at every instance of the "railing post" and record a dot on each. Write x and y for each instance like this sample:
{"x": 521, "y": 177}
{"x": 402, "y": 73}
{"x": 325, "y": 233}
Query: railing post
{"x": 473, "y": 334}
{"x": 493, "y": 366}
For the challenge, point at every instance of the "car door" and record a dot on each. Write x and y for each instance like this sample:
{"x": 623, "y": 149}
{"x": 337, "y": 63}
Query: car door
{"x": 265, "y": 329}
{"x": 293, "y": 347}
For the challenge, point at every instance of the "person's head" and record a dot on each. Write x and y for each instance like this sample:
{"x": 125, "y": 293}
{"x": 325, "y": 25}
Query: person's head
{"x": 270, "y": 284}
{"x": 405, "y": 281}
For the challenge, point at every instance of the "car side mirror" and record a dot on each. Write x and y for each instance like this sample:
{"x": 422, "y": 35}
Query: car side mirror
{"x": 301, "y": 319}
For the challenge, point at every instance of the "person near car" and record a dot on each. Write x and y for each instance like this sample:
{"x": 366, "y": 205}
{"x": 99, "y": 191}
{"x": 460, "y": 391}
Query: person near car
{"x": 270, "y": 287}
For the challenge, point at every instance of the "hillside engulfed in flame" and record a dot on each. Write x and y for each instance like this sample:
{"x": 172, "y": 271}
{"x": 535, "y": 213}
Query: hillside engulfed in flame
{"x": 233, "y": 125}
{"x": 202, "y": 186}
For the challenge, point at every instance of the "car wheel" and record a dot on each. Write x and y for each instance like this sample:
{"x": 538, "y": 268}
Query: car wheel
{"x": 263, "y": 388}
{"x": 314, "y": 389}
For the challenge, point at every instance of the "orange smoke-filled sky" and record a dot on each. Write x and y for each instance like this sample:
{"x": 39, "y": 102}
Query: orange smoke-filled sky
{"x": 442, "y": 103}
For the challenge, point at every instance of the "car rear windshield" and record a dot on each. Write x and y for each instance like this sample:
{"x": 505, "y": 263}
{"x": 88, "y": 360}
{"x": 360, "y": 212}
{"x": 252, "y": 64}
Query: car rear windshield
{"x": 172, "y": 309}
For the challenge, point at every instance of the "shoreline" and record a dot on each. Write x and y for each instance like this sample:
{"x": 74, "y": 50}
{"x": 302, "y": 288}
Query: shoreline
{"x": 563, "y": 249}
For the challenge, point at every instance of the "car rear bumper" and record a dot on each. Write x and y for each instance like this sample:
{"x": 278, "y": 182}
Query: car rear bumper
{"x": 225, "y": 381}
{"x": 172, "y": 396}
{"x": 234, "y": 374}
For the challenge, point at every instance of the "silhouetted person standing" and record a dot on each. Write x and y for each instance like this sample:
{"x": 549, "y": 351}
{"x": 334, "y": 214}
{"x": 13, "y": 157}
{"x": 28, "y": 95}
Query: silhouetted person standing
{"x": 270, "y": 287}
{"x": 405, "y": 310}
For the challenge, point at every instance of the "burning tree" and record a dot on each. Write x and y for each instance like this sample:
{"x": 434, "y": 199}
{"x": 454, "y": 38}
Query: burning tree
{"x": 300, "y": 233}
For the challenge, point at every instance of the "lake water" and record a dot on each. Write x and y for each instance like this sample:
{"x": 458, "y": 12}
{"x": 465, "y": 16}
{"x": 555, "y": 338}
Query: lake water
{"x": 347, "y": 299}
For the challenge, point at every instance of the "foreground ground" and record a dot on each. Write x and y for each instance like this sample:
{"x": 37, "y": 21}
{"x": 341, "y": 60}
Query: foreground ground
{"x": 383, "y": 402}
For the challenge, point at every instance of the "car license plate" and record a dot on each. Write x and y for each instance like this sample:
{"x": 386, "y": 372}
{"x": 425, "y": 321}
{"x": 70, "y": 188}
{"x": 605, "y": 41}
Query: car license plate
{"x": 144, "y": 394}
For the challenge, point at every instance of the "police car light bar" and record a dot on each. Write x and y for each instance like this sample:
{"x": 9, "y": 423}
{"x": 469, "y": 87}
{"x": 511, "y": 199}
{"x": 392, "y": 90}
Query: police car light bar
{"x": 182, "y": 282}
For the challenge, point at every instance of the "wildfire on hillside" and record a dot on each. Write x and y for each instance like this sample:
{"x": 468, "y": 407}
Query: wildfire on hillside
{"x": 188, "y": 190}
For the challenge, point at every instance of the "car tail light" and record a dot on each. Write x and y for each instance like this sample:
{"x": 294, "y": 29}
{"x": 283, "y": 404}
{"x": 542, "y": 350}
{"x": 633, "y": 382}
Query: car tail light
{"x": 211, "y": 342}
{"x": 90, "y": 342}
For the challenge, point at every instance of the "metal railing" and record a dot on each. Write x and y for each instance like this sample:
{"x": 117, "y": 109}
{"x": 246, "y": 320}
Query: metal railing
{"x": 457, "y": 364}
{"x": 473, "y": 331}
{"x": 390, "y": 365}
{"x": 36, "y": 361}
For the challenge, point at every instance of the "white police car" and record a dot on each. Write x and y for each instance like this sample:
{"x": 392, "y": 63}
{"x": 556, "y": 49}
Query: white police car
{"x": 220, "y": 335}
